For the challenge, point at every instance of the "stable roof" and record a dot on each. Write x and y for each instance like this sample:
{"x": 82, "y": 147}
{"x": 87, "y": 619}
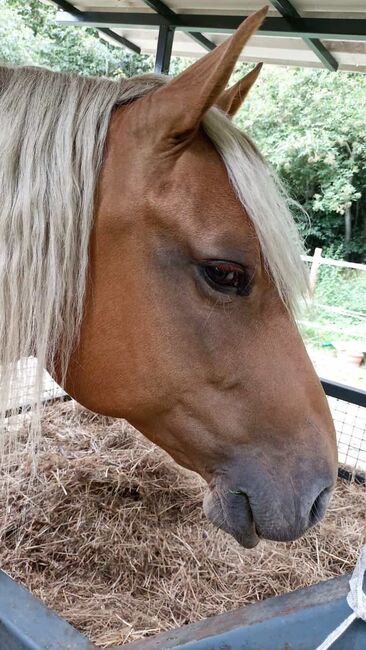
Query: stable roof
{"x": 325, "y": 33}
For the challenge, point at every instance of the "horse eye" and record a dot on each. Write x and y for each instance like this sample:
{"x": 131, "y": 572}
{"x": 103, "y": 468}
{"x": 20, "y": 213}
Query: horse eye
{"x": 226, "y": 277}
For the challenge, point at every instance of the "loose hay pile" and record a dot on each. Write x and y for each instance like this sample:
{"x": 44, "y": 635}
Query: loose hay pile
{"x": 112, "y": 536}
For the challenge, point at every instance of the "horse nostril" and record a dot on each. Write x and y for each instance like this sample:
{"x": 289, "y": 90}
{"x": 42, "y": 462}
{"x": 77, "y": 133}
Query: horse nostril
{"x": 319, "y": 506}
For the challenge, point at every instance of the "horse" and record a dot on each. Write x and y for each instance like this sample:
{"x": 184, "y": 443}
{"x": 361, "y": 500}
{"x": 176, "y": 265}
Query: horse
{"x": 150, "y": 262}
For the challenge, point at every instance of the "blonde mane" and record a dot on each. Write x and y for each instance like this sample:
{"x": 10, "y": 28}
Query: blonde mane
{"x": 53, "y": 128}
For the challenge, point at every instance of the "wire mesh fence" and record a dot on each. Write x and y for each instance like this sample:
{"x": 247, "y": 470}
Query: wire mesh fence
{"x": 22, "y": 388}
{"x": 350, "y": 424}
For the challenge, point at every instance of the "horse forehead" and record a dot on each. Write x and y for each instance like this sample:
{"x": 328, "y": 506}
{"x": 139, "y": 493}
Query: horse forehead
{"x": 189, "y": 188}
{"x": 198, "y": 183}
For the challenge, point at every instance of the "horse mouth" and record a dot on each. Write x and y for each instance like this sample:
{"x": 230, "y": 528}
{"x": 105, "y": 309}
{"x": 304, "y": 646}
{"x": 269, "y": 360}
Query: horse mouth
{"x": 231, "y": 512}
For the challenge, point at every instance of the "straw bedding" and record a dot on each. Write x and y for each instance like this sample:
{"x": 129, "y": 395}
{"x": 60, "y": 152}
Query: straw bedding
{"x": 111, "y": 534}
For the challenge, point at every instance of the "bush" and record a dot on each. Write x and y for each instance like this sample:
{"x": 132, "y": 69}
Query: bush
{"x": 345, "y": 290}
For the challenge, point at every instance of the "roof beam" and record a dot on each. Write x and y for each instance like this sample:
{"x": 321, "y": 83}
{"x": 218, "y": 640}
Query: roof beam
{"x": 325, "y": 28}
{"x": 121, "y": 40}
{"x": 164, "y": 49}
{"x": 163, "y": 10}
{"x": 288, "y": 11}
{"x": 202, "y": 40}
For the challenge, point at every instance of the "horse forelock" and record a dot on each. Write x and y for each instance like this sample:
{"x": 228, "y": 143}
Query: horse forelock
{"x": 52, "y": 139}
{"x": 267, "y": 205}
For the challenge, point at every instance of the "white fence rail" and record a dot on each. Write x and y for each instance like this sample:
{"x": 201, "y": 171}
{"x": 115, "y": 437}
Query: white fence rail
{"x": 317, "y": 260}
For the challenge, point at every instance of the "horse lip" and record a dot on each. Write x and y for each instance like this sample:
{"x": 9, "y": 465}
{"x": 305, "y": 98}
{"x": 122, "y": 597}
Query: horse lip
{"x": 256, "y": 533}
{"x": 237, "y": 519}
{"x": 245, "y": 540}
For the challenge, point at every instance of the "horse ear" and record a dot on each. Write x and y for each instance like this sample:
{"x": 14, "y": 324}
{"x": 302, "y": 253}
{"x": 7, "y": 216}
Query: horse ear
{"x": 178, "y": 107}
{"x": 232, "y": 98}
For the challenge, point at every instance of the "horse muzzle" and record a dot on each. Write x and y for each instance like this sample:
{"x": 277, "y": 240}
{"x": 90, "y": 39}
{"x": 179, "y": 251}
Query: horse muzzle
{"x": 280, "y": 510}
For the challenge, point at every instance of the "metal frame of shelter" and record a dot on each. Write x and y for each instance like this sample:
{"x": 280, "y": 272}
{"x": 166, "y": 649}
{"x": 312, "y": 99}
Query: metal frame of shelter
{"x": 290, "y": 24}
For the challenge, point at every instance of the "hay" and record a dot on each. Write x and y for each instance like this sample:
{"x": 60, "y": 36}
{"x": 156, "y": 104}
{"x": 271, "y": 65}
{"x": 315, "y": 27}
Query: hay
{"x": 111, "y": 535}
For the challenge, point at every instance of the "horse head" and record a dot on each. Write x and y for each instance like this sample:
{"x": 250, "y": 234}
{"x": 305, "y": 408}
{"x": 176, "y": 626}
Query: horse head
{"x": 167, "y": 296}
{"x": 188, "y": 329}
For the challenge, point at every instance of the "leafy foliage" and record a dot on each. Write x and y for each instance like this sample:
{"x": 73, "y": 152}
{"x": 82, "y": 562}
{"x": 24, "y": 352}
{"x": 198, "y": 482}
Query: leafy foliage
{"x": 341, "y": 288}
{"x": 29, "y": 34}
{"x": 17, "y": 41}
{"x": 311, "y": 125}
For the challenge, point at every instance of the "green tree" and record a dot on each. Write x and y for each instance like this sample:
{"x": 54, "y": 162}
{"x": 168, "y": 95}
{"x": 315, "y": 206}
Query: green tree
{"x": 17, "y": 42}
{"x": 311, "y": 125}
{"x": 30, "y": 35}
